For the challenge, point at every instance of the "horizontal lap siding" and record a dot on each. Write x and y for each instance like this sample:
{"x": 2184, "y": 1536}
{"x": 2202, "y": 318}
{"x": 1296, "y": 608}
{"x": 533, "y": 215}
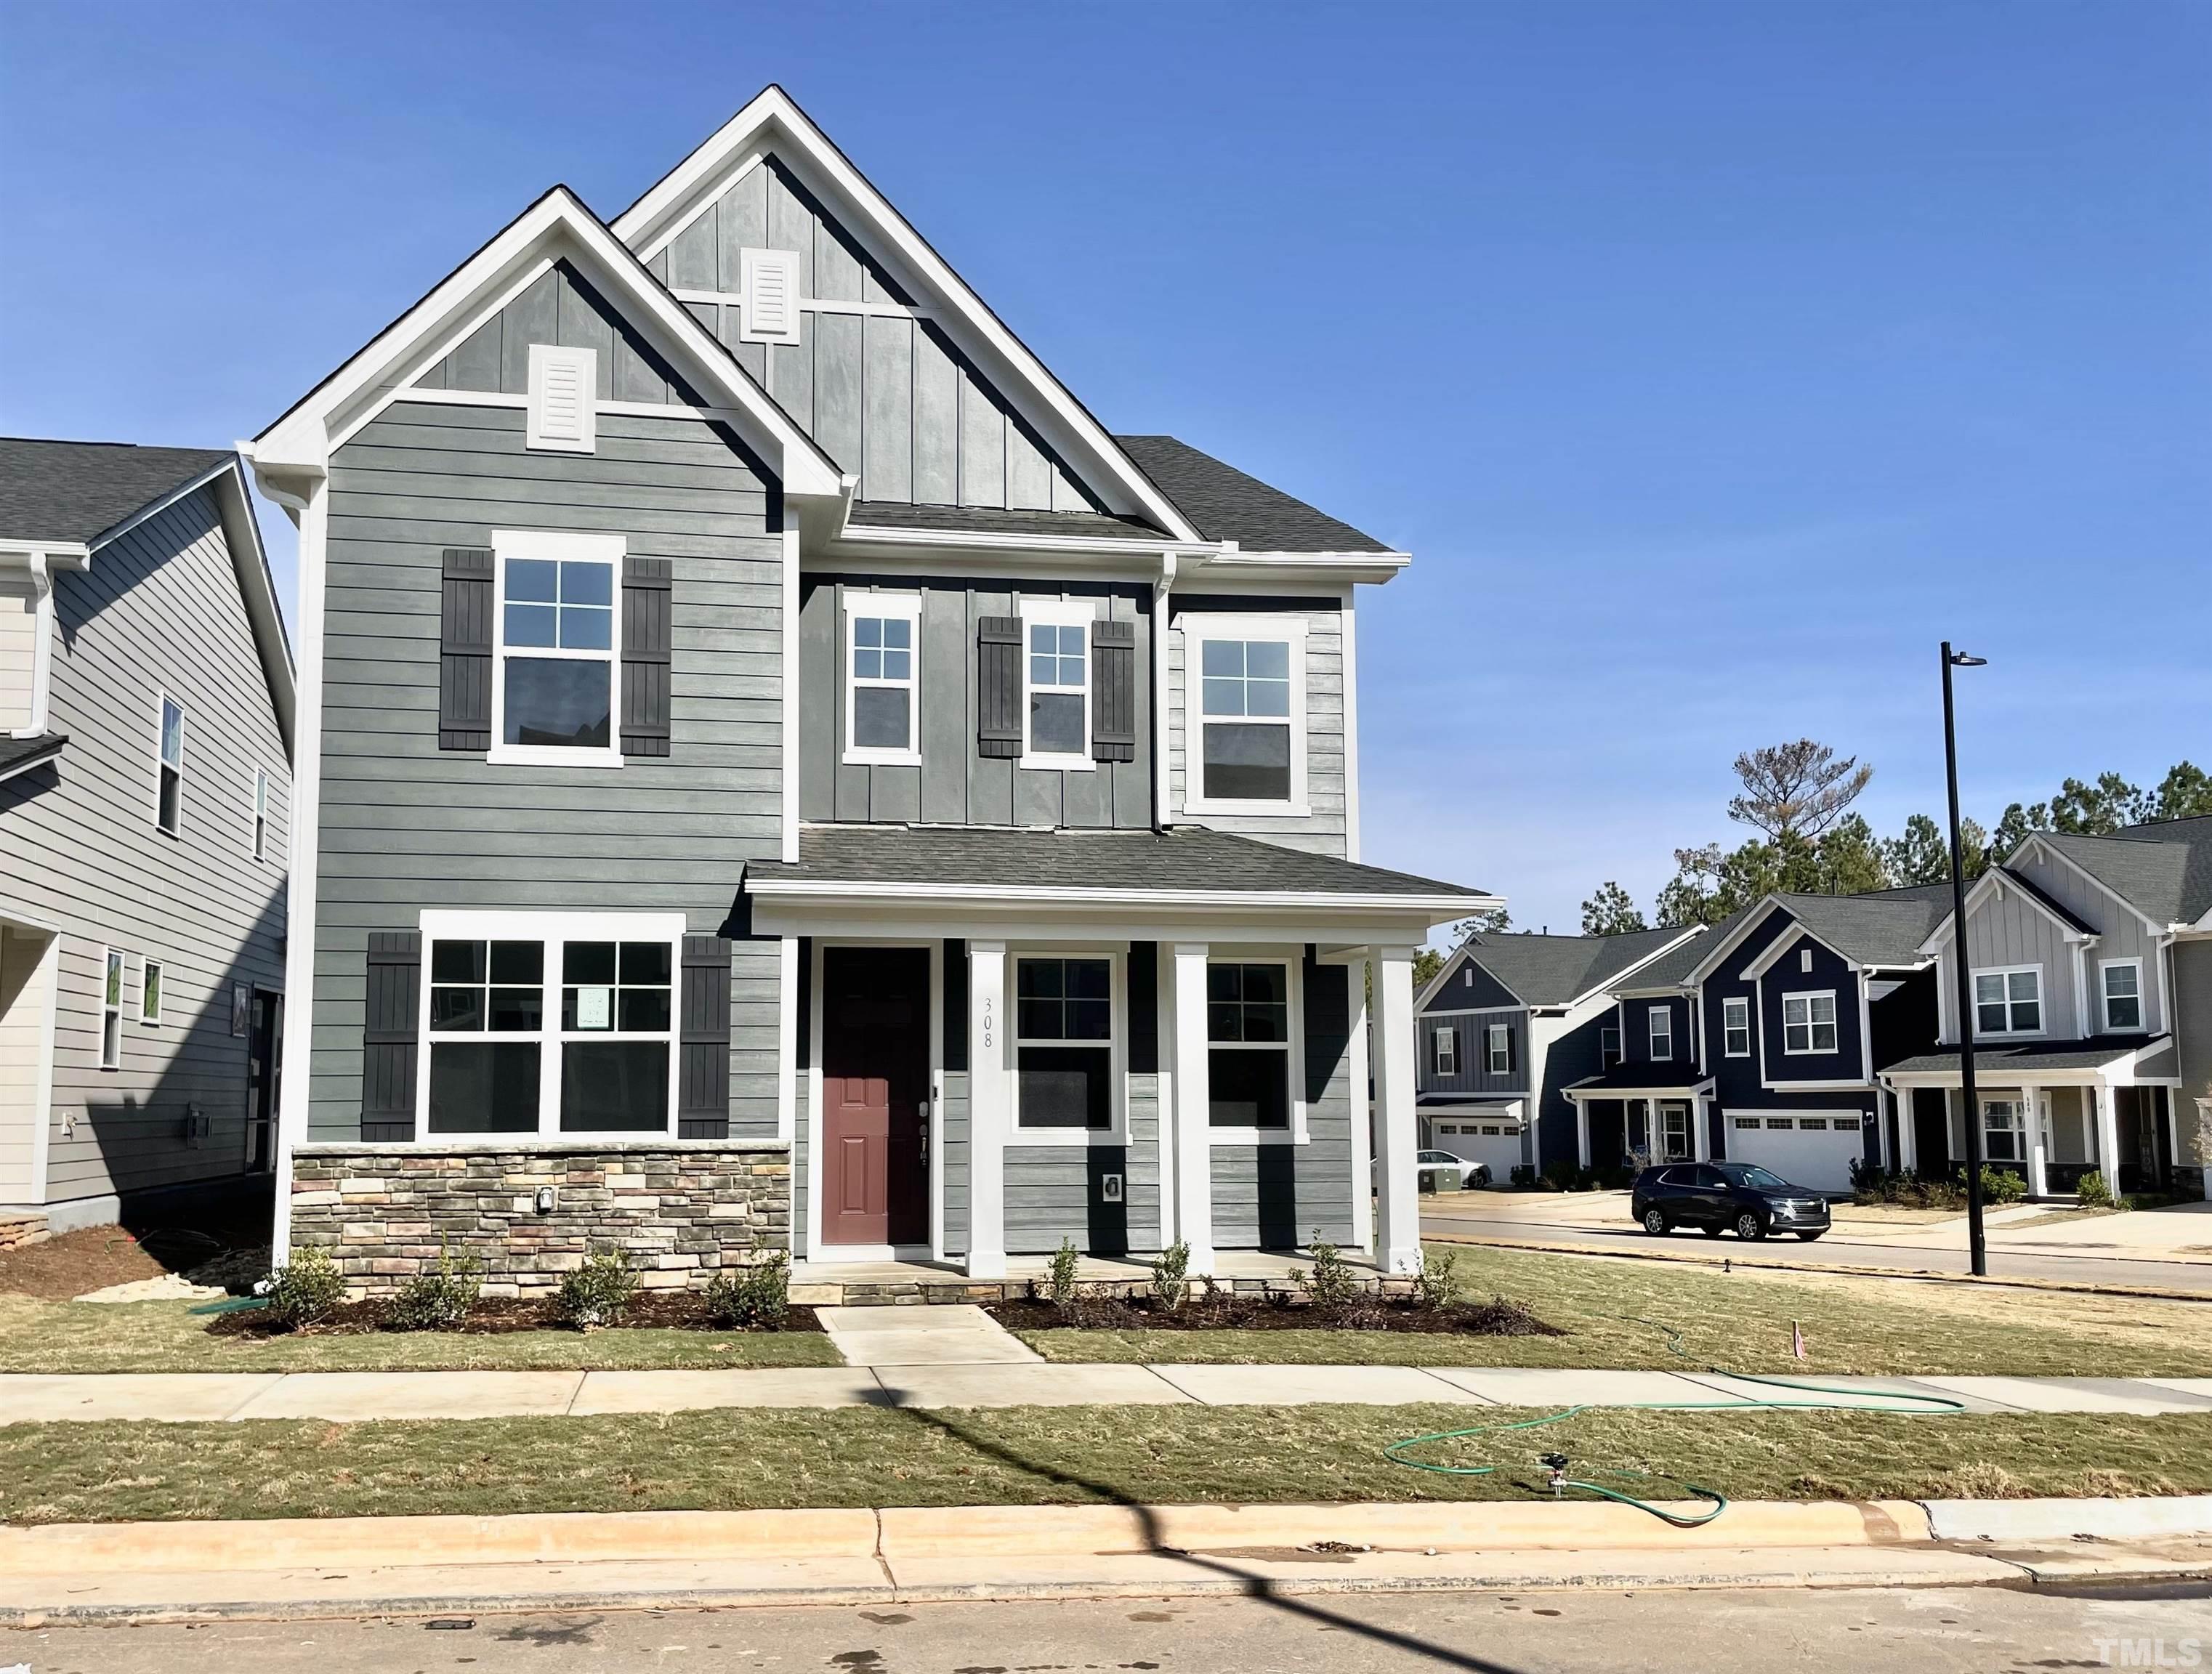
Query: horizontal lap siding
{"x": 159, "y": 609}
{"x": 406, "y": 826}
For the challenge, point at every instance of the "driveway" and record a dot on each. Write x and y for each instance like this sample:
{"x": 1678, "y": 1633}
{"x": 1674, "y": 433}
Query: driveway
{"x": 2166, "y": 1249}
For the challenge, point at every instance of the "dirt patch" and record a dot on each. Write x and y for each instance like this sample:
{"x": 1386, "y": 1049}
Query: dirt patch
{"x": 499, "y": 1317}
{"x": 94, "y": 1258}
{"x": 1495, "y": 1318}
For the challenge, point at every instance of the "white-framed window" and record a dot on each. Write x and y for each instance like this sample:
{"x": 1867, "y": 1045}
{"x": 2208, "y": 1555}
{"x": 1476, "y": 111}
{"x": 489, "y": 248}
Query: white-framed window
{"x": 1251, "y": 1032}
{"x": 1780, "y": 1124}
{"x": 1056, "y": 673}
{"x": 1812, "y": 1125}
{"x": 768, "y": 309}
{"x": 549, "y": 1023}
{"x": 2004, "y": 1130}
{"x": 260, "y": 814}
{"x": 169, "y": 767}
{"x": 150, "y": 993}
{"x": 563, "y": 411}
{"x": 1809, "y": 1022}
{"x": 111, "y": 1008}
{"x": 557, "y": 667}
{"x": 1447, "y": 1049}
{"x": 1497, "y": 1049}
{"x": 2008, "y": 1000}
{"x": 2121, "y": 980}
{"x": 1746, "y": 1123}
{"x": 1608, "y": 1046}
{"x": 1244, "y": 714}
{"x": 1660, "y": 1022}
{"x": 1068, "y": 1046}
{"x": 883, "y": 679}
{"x": 1736, "y": 1027}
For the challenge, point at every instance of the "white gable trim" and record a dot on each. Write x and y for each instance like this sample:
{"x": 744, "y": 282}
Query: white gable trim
{"x": 1782, "y": 944}
{"x": 774, "y": 122}
{"x": 556, "y": 227}
{"x": 1993, "y": 882}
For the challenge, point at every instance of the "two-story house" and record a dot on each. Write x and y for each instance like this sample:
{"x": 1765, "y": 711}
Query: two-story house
{"x": 776, "y": 771}
{"x": 2090, "y": 965}
{"x": 1763, "y": 1040}
{"x": 1510, "y": 1022}
{"x": 145, "y": 738}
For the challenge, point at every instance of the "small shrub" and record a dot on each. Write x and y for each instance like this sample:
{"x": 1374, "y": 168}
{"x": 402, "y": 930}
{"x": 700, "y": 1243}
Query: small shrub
{"x": 1171, "y": 1284}
{"x": 1439, "y": 1279}
{"x": 597, "y": 1293}
{"x": 305, "y": 1288}
{"x": 1559, "y": 1174}
{"x": 1331, "y": 1284}
{"x": 756, "y": 1296}
{"x": 438, "y": 1300}
{"x": 2001, "y": 1185}
{"x": 1061, "y": 1280}
{"x": 1522, "y": 1176}
{"x": 2092, "y": 1192}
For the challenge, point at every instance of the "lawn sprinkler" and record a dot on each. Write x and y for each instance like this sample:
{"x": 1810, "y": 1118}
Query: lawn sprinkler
{"x": 1557, "y": 1465}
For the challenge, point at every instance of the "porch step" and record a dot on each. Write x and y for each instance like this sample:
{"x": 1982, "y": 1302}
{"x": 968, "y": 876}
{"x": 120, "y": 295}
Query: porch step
{"x": 19, "y": 1227}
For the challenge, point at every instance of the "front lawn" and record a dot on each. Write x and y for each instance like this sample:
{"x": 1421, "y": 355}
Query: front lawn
{"x": 1045, "y": 1456}
{"x": 1611, "y": 1311}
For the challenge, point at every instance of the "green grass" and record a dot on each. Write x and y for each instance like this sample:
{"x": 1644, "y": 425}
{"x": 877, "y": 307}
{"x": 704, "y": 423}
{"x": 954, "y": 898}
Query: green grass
{"x": 168, "y": 1336}
{"x": 1738, "y": 1320}
{"x": 1037, "y": 1456}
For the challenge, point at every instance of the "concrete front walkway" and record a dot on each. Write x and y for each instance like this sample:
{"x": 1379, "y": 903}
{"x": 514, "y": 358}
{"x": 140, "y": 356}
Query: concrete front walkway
{"x": 358, "y": 1397}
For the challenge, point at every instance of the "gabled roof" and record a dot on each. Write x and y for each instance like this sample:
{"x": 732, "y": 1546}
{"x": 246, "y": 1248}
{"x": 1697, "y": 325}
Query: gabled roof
{"x": 1558, "y": 970}
{"x": 2162, "y": 869}
{"x": 77, "y": 492}
{"x": 1882, "y": 929}
{"x": 1223, "y": 504}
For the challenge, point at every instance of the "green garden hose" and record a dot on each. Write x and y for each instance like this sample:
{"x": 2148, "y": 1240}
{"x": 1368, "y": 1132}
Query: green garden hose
{"x": 1924, "y": 1405}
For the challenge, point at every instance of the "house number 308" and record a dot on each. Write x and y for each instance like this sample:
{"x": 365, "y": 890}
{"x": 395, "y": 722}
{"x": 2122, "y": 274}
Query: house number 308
{"x": 990, "y": 1022}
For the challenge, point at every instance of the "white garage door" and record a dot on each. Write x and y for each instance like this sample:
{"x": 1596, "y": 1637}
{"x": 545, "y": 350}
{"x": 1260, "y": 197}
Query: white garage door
{"x": 1497, "y": 1143}
{"x": 1810, "y": 1150}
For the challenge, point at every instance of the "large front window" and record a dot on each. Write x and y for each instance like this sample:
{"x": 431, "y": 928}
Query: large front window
{"x": 564, "y": 1026}
{"x": 2123, "y": 979}
{"x": 1064, "y": 1044}
{"x": 2004, "y": 1130}
{"x": 1809, "y": 1022}
{"x": 2008, "y": 1002}
{"x": 1247, "y": 740}
{"x": 1248, "y": 1031}
{"x": 554, "y": 691}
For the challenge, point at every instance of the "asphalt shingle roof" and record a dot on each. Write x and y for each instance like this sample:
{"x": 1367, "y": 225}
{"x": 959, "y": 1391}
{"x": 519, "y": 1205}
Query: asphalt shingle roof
{"x": 1226, "y": 504}
{"x": 1993, "y": 1062}
{"x": 18, "y": 755}
{"x": 895, "y": 515}
{"x": 2164, "y": 870}
{"x": 1884, "y": 928}
{"x": 1184, "y": 858}
{"x": 1639, "y": 1077}
{"x": 77, "y": 491}
{"x": 1551, "y": 970}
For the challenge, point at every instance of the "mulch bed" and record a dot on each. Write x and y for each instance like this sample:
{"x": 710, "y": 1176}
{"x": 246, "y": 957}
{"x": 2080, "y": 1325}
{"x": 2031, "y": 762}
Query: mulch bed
{"x": 1495, "y": 1318}
{"x": 671, "y": 1310}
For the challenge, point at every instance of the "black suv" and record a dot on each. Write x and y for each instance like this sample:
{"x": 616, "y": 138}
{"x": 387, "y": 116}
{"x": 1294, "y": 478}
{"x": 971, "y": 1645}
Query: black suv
{"x": 1714, "y": 1197}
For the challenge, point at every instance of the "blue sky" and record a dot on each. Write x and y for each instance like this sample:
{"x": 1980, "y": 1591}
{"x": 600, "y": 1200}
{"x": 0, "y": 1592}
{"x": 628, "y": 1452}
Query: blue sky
{"x": 1715, "y": 362}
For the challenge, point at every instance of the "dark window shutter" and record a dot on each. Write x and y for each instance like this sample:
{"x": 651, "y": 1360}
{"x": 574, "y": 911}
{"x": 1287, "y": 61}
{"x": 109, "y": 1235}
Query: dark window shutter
{"x": 999, "y": 686}
{"x": 390, "y": 1015}
{"x": 1144, "y": 1031}
{"x": 464, "y": 650}
{"x": 647, "y": 596}
{"x": 702, "y": 1092}
{"x": 1512, "y": 1049}
{"x": 1114, "y": 691}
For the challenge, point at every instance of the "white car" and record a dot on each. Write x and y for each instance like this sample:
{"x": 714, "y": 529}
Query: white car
{"x": 1452, "y": 1173}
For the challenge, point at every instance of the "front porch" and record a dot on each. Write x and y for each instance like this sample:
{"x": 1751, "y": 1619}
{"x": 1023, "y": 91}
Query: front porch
{"x": 1635, "y": 1115}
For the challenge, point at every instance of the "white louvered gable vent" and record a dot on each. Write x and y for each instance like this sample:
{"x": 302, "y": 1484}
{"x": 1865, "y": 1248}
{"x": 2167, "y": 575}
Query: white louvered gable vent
{"x": 770, "y": 278}
{"x": 563, "y": 399}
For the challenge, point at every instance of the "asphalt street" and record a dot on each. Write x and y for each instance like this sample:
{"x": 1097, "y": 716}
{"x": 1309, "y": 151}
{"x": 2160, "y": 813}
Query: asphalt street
{"x": 1896, "y": 1631}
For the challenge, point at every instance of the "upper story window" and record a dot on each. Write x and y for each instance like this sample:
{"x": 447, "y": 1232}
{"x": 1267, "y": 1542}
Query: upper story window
{"x": 260, "y": 814}
{"x": 883, "y": 656}
{"x": 1662, "y": 1034}
{"x": 1736, "y": 1028}
{"x": 1497, "y": 1049}
{"x": 1056, "y": 667}
{"x": 1249, "y": 752}
{"x": 1608, "y": 1046}
{"x": 1248, "y": 1031}
{"x": 2008, "y": 1001}
{"x": 169, "y": 791}
{"x": 557, "y": 604}
{"x": 1809, "y": 1022}
{"x": 1446, "y": 1050}
{"x": 111, "y": 1008}
{"x": 2122, "y": 991}
{"x": 1063, "y": 1045}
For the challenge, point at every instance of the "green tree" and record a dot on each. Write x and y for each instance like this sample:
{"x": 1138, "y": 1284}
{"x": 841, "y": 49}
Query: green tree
{"x": 2097, "y": 810}
{"x": 2185, "y": 793}
{"x": 1426, "y": 963}
{"x": 1849, "y": 859}
{"x": 1611, "y": 912}
{"x": 1923, "y": 854}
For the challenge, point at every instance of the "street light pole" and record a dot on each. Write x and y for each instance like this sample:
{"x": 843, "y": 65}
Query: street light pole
{"x": 1977, "y": 1244}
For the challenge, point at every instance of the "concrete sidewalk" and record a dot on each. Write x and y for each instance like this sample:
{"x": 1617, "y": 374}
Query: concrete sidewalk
{"x": 147, "y": 1572}
{"x": 359, "y": 1397}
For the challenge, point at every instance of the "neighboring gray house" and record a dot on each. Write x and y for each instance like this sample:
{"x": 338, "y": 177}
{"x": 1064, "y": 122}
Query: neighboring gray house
{"x": 776, "y": 770}
{"x": 145, "y": 744}
{"x": 2091, "y": 962}
{"x": 1507, "y": 1024}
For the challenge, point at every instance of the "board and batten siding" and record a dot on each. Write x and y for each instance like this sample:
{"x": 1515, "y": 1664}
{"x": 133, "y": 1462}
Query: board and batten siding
{"x": 406, "y": 826}
{"x": 2007, "y": 929}
{"x": 1473, "y": 1076}
{"x": 564, "y": 308}
{"x": 955, "y": 784}
{"x": 1322, "y": 829}
{"x": 158, "y": 610}
{"x": 2121, "y": 934}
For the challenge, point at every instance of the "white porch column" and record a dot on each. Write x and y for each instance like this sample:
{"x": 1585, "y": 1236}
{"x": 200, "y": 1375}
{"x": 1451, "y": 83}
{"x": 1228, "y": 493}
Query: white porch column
{"x": 1908, "y": 1142}
{"x": 2108, "y": 1135}
{"x": 2038, "y": 1153}
{"x": 1701, "y": 1130}
{"x": 1194, "y": 1121}
{"x": 1398, "y": 1233}
{"x": 1582, "y": 1133}
{"x": 1363, "y": 1114}
{"x": 989, "y": 1107}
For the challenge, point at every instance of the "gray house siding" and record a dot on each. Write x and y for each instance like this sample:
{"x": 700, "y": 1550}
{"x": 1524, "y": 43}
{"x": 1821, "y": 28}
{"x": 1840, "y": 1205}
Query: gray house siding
{"x": 2121, "y": 934}
{"x": 1472, "y": 1078}
{"x": 407, "y": 826}
{"x": 559, "y": 308}
{"x": 876, "y": 382}
{"x": 158, "y": 611}
{"x": 956, "y": 784}
{"x": 1322, "y": 829}
{"x": 1277, "y": 1196}
{"x": 2192, "y": 1015}
{"x": 2007, "y": 930}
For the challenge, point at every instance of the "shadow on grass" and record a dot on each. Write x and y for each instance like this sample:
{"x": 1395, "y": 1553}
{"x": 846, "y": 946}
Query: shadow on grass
{"x": 1250, "y": 1584}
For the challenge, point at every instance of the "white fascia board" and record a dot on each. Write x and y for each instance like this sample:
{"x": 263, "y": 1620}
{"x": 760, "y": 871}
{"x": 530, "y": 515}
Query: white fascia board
{"x": 556, "y": 226}
{"x": 773, "y": 122}
{"x": 27, "y": 765}
{"x": 1750, "y": 921}
{"x": 1612, "y": 984}
{"x": 1760, "y": 966}
{"x": 1989, "y": 883}
{"x": 57, "y": 554}
{"x": 1340, "y": 568}
{"x": 1439, "y": 908}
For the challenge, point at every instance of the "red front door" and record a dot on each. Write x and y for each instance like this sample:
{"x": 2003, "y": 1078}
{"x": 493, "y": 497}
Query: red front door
{"x": 875, "y": 1090}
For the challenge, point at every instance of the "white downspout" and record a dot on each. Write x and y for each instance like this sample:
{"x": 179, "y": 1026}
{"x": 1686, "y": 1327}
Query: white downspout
{"x": 1161, "y": 589}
